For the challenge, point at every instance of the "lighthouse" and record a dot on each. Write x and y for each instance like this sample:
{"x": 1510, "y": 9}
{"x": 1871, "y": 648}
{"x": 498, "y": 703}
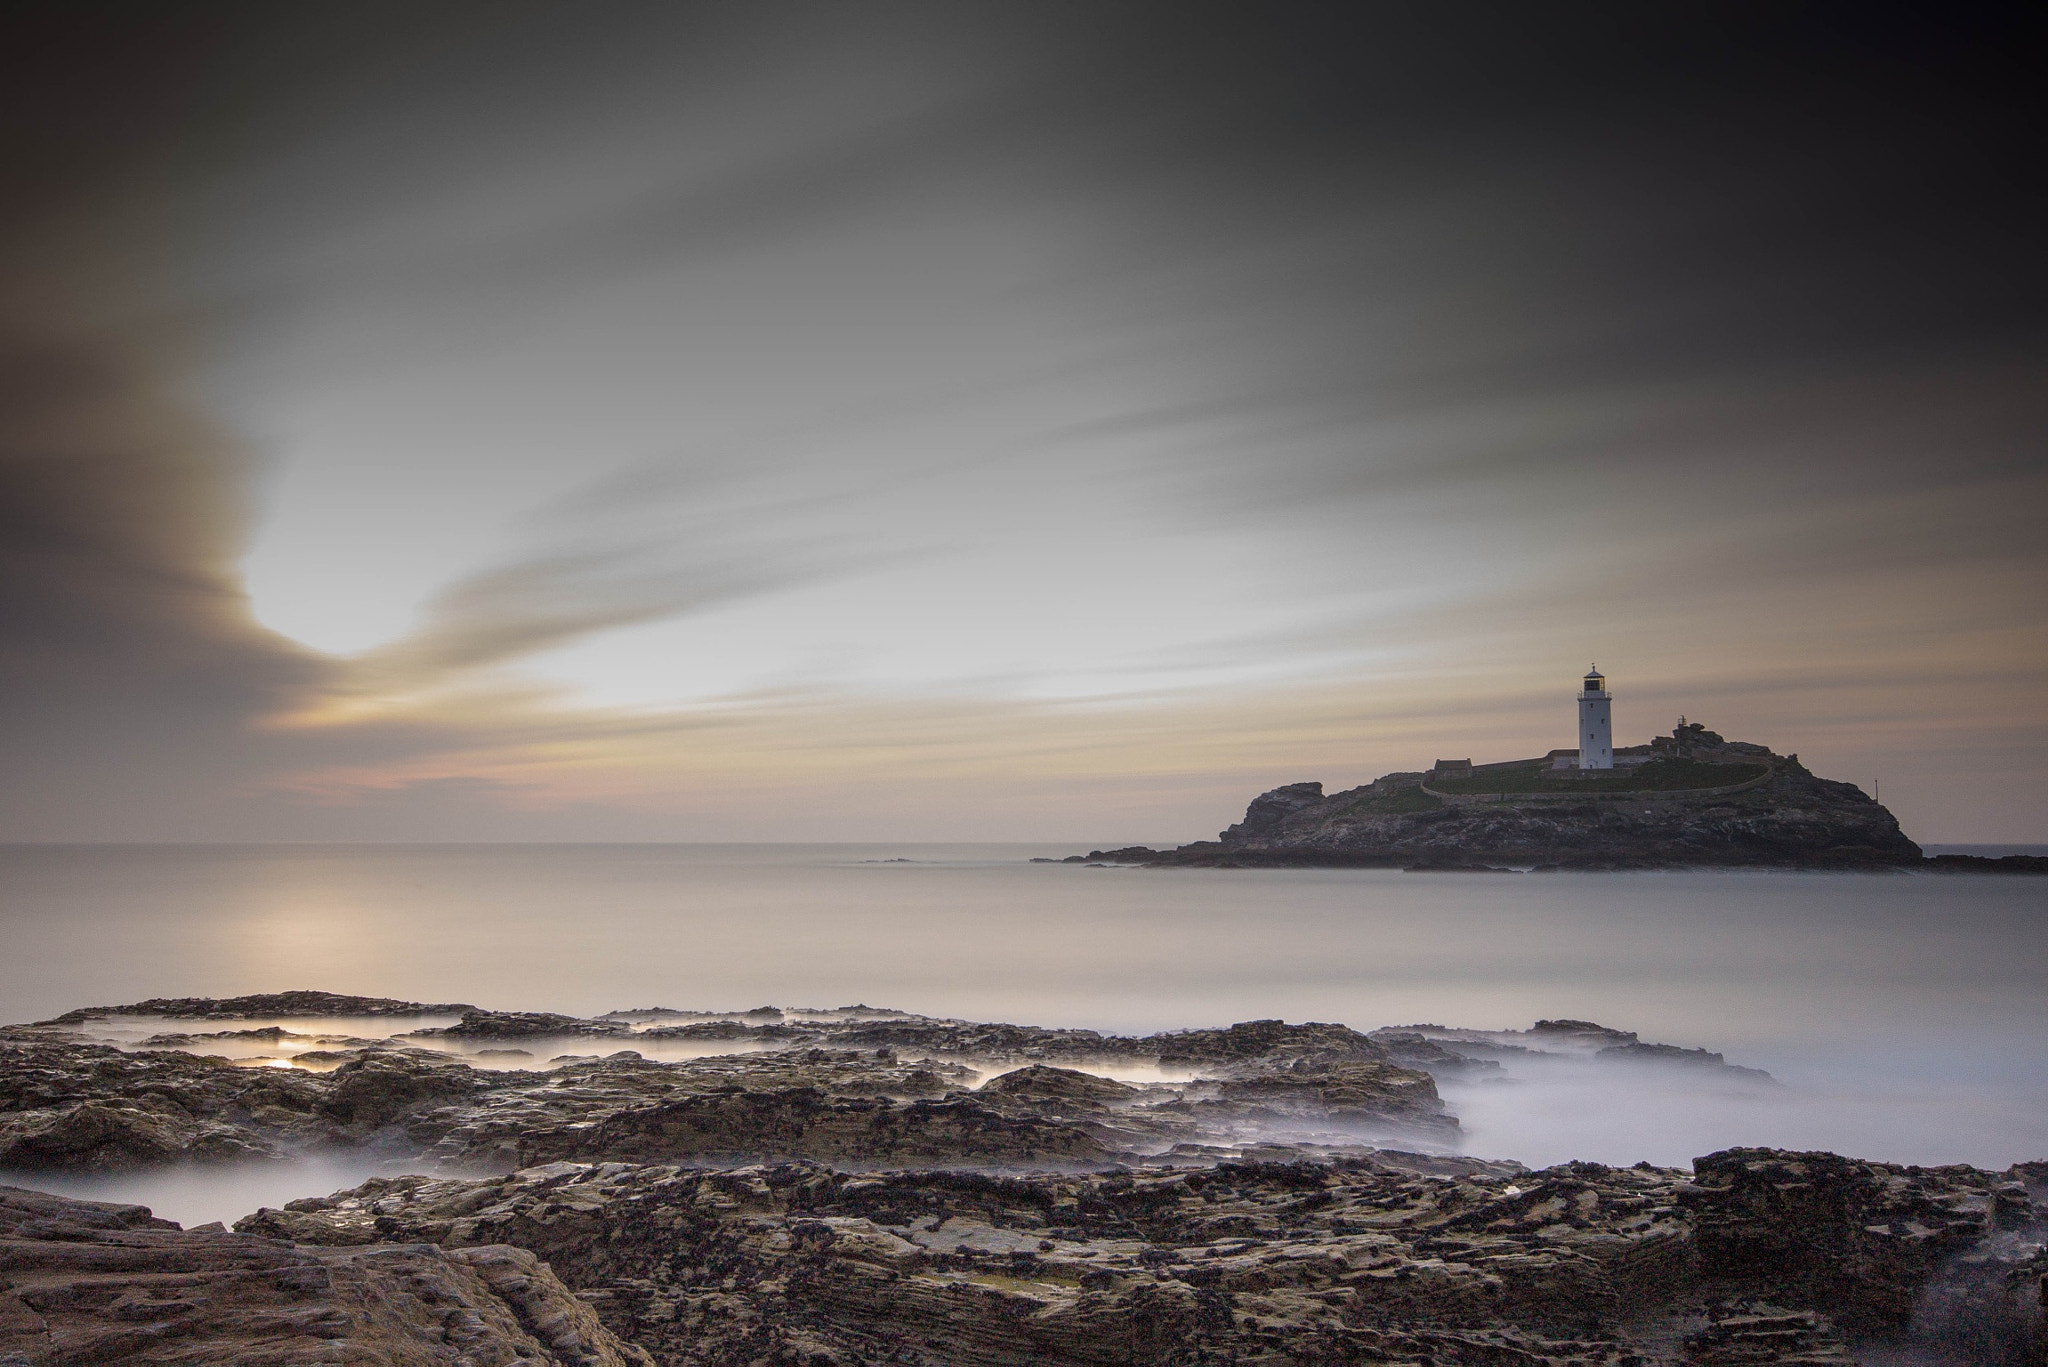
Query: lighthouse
{"x": 1596, "y": 722}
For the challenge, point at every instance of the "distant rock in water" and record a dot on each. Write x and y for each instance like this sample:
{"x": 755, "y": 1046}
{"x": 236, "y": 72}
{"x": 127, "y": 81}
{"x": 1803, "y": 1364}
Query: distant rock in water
{"x": 1692, "y": 799}
{"x": 477, "y": 1024}
{"x": 304, "y": 1002}
{"x": 1978, "y": 863}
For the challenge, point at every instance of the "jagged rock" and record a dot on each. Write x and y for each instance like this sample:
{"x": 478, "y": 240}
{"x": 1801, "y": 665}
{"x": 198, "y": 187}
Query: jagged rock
{"x": 1256, "y": 1082}
{"x": 1102, "y": 1222}
{"x": 65, "y": 1104}
{"x": 1638, "y": 1052}
{"x": 1860, "y": 1238}
{"x": 99, "y": 1135}
{"x": 585, "y": 1093}
{"x": 1248, "y": 1263}
{"x": 476, "y": 1024}
{"x": 270, "y": 1034}
{"x": 723, "y": 1030}
{"x": 1128, "y": 854}
{"x": 1065, "y": 1087}
{"x": 1387, "y": 1258}
{"x": 1413, "y": 1049}
{"x": 975, "y": 1039}
{"x": 1417, "y": 1046}
{"x": 805, "y": 1121}
{"x": 1583, "y": 1034}
{"x": 1750, "y": 1335}
{"x": 1265, "y": 1041}
{"x": 85, "y": 1282}
{"x": 1349, "y": 1094}
{"x": 1988, "y": 1307}
{"x": 377, "y": 1088}
{"x": 1269, "y": 811}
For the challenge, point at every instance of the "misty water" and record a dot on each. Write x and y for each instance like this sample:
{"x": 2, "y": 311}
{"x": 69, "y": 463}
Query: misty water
{"x": 1904, "y": 1016}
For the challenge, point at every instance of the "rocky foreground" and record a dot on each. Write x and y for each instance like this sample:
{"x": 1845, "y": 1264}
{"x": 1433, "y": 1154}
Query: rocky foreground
{"x": 87, "y": 1282}
{"x": 868, "y": 1187}
{"x": 853, "y": 1086}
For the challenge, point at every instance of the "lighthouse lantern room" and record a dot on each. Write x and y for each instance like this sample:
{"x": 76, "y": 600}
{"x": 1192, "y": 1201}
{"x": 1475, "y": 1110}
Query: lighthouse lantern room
{"x": 1596, "y": 722}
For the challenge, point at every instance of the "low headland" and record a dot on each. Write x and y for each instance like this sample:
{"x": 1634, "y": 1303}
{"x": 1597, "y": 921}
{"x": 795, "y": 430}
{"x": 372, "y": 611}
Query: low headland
{"x": 859, "y": 1185}
{"x": 1688, "y": 800}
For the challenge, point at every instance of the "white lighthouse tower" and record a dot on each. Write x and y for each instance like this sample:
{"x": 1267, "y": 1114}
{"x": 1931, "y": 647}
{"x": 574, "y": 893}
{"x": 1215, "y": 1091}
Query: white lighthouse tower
{"x": 1596, "y": 722}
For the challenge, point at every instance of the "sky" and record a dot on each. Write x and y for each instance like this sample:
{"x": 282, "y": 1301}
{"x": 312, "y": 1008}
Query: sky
{"x": 1053, "y": 422}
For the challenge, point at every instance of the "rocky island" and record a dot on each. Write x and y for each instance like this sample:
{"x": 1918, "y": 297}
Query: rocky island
{"x": 1690, "y": 799}
{"x": 858, "y": 1185}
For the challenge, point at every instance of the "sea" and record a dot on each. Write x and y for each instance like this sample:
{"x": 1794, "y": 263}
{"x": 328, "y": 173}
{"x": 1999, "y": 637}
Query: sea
{"x": 1902, "y": 1016}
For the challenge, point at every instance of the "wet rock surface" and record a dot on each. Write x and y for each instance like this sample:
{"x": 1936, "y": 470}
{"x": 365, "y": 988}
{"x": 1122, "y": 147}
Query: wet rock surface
{"x": 849, "y": 1089}
{"x": 868, "y": 1186}
{"x": 66, "y": 1104}
{"x": 1247, "y": 1262}
{"x": 1062, "y": 1088}
{"x": 1388, "y": 1258}
{"x": 85, "y": 1282}
{"x": 477, "y": 1024}
{"x": 1864, "y": 1238}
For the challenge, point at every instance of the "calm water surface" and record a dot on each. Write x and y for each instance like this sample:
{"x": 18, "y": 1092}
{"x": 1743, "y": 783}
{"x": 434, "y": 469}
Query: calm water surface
{"x": 1906, "y": 1014}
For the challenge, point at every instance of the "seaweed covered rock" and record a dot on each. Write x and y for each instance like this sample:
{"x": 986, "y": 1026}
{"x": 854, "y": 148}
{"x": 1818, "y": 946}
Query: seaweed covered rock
{"x": 1862, "y": 1238}
{"x": 1388, "y": 1259}
{"x": 380, "y": 1087}
{"x": 1359, "y": 1262}
{"x": 805, "y": 1121}
{"x": 1044, "y": 1084}
{"x": 490, "y": 1025}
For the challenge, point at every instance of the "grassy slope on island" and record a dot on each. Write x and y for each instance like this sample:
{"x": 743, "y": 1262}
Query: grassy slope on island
{"x": 1658, "y": 776}
{"x": 1399, "y": 802}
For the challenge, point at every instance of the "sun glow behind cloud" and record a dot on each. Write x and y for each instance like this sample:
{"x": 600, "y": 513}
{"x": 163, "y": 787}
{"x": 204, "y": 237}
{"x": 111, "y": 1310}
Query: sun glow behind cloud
{"x": 940, "y": 449}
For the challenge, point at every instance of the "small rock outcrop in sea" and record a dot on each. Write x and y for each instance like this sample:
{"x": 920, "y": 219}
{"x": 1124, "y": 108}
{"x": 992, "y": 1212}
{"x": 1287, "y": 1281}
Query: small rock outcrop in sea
{"x": 303, "y": 1003}
{"x": 1420, "y": 1045}
{"x": 1699, "y": 801}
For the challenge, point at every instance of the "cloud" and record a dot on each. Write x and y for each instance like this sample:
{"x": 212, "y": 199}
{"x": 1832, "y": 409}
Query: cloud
{"x": 131, "y": 667}
{"x": 810, "y": 406}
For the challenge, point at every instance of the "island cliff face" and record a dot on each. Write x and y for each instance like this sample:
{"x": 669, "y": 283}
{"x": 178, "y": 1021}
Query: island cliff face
{"x": 1698, "y": 800}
